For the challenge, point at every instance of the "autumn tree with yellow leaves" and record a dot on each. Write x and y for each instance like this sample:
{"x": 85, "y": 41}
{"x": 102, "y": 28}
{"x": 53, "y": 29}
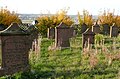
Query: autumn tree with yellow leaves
{"x": 7, "y": 17}
{"x": 85, "y": 18}
{"x": 49, "y": 21}
{"x": 108, "y": 18}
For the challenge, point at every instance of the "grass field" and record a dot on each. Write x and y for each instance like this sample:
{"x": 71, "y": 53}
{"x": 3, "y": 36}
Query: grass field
{"x": 73, "y": 63}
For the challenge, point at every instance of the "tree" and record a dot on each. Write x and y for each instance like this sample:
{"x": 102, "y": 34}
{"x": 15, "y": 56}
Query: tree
{"x": 7, "y": 17}
{"x": 51, "y": 21}
{"x": 87, "y": 18}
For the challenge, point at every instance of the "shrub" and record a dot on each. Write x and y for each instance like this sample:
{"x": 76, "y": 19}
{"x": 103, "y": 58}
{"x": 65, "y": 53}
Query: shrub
{"x": 46, "y": 22}
{"x": 87, "y": 18}
{"x": 99, "y": 37}
{"x": 7, "y": 17}
{"x": 107, "y": 18}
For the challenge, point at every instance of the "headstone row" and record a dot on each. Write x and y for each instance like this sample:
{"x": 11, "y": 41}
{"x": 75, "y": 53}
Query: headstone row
{"x": 107, "y": 30}
{"x": 62, "y": 33}
{"x": 104, "y": 29}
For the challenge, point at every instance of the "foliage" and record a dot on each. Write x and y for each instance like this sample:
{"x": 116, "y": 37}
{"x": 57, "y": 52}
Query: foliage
{"x": 50, "y": 21}
{"x": 117, "y": 21}
{"x": 108, "y": 18}
{"x": 99, "y": 37}
{"x": 44, "y": 23}
{"x": 87, "y": 18}
{"x": 63, "y": 17}
{"x": 6, "y": 17}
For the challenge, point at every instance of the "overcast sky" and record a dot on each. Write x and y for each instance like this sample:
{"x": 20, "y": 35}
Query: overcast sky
{"x": 52, "y": 6}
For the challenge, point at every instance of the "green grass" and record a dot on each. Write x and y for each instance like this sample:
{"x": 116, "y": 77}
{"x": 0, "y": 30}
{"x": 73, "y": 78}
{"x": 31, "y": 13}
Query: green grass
{"x": 68, "y": 64}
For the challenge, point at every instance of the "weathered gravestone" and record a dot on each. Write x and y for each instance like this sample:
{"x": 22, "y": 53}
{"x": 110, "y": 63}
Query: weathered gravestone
{"x": 83, "y": 27}
{"x": 76, "y": 29}
{"x": 62, "y": 35}
{"x": 88, "y": 38}
{"x": 51, "y": 33}
{"x": 34, "y": 34}
{"x": 106, "y": 29}
{"x": 113, "y": 31}
{"x": 96, "y": 28}
{"x": 14, "y": 43}
{"x": 34, "y": 38}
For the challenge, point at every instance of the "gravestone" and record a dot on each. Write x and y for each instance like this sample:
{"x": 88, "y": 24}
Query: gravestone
{"x": 14, "y": 45}
{"x": 106, "y": 29}
{"x": 113, "y": 31}
{"x": 34, "y": 34}
{"x": 88, "y": 38}
{"x": 62, "y": 35}
{"x": 34, "y": 38}
{"x": 51, "y": 33}
{"x": 83, "y": 27}
{"x": 96, "y": 28}
{"x": 13, "y": 28}
{"x": 76, "y": 29}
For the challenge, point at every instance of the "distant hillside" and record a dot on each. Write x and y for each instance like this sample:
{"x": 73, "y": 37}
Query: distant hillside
{"x": 32, "y": 17}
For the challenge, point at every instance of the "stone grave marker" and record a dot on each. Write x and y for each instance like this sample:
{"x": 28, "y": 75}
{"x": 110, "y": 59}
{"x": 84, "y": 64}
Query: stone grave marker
{"x": 14, "y": 45}
{"x": 83, "y": 27}
{"x": 96, "y": 28}
{"x": 76, "y": 29}
{"x": 113, "y": 31}
{"x": 51, "y": 33}
{"x": 34, "y": 36}
{"x": 106, "y": 29}
{"x": 88, "y": 38}
{"x": 62, "y": 35}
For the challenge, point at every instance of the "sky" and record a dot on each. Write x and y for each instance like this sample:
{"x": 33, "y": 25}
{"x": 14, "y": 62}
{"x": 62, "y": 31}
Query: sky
{"x": 52, "y": 6}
